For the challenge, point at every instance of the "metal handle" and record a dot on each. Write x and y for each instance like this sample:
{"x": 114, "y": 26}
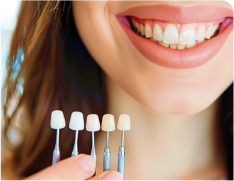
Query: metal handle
{"x": 106, "y": 159}
{"x": 121, "y": 161}
{"x": 56, "y": 157}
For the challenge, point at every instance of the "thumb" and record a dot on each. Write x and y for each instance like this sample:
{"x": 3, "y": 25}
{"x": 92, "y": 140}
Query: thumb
{"x": 78, "y": 167}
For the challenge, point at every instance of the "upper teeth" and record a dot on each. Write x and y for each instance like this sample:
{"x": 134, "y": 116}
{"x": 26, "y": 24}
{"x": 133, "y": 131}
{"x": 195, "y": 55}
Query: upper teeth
{"x": 188, "y": 36}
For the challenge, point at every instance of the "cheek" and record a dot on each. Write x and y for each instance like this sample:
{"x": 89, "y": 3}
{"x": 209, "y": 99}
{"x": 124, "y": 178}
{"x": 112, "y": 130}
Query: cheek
{"x": 159, "y": 89}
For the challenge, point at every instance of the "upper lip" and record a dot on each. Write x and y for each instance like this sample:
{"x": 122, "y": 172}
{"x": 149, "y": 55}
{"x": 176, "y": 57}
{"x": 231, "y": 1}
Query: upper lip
{"x": 178, "y": 14}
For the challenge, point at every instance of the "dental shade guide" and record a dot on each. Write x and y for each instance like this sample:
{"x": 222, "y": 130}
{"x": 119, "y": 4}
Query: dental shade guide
{"x": 76, "y": 123}
{"x": 57, "y": 122}
{"x": 124, "y": 124}
{"x": 108, "y": 124}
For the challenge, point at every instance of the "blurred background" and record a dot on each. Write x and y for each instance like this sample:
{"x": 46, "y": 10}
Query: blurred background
{"x": 8, "y": 13}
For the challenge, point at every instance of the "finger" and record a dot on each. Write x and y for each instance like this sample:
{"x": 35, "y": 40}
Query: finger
{"x": 108, "y": 175}
{"x": 78, "y": 167}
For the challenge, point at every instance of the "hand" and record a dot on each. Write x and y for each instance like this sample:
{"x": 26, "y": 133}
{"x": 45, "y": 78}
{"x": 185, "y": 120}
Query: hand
{"x": 80, "y": 167}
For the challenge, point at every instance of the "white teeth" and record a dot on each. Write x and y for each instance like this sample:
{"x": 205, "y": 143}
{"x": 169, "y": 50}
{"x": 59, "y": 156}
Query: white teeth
{"x": 134, "y": 23}
{"x": 170, "y": 34}
{"x": 209, "y": 31}
{"x": 163, "y": 44}
{"x": 76, "y": 121}
{"x": 92, "y": 123}
{"x": 124, "y": 122}
{"x": 137, "y": 26}
{"x": 201, "y": 33}
{"x": 180, "y": 46}
{"x": 108, "y": 122}
{"x": 173, "y": 46}
{"x": 142, "y": 30}
{"x": 188, "y": 37}
{"x": 200, "y": 41}
{"x": 57, "y": 120}
{"x": 157, "y": 33}
{"x": 191, "y": 45}
{"x": 152, "y": 39}
{"x": 187, "y": 34}
{"x": 214, "y": 29}
{"x": 148, "y": 31}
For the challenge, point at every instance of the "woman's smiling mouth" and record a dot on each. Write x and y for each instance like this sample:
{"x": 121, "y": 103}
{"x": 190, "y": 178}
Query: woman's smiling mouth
{"x": 175, "y": 38}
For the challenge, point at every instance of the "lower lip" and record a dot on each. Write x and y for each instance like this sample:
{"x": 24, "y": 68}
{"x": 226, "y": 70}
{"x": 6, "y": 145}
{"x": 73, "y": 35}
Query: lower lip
{"x": 178, "y": 59}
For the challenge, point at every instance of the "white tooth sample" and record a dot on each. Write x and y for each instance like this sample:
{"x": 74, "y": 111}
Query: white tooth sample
{"x": 191, "y": 45}
{"x": 163, "y": 44}
{"x": 76, "y": 121}
{"x": 173, "y": 46}
{"x": 157, "y": 33}
{"x": 201, "y": 33}
{"x": 92, "y": 123}
{"x": 180, "y": 46}
{"x": 108, "y": 122}
{"x": 209, "y": 31}
{"x": 124, "y": 122}
{"x": 57, "y": 120}
{"x": 148, "y": 31}
{"x": 200, "y": 41}
{"x": 142, "y": 30}
{"x": 137, "y": 27}
{"x": 170, "y": 34}
{"x": 187, "y": 34}
{"x": 152, "y": 39}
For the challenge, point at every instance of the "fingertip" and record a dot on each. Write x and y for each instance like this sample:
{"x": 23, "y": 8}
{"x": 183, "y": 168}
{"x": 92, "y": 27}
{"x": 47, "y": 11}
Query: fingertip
{"x": 112, "y": 175}
{"x": 86, "y": 162}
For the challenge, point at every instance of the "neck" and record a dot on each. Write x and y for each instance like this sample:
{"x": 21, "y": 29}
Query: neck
{"x": 163, "y": 146}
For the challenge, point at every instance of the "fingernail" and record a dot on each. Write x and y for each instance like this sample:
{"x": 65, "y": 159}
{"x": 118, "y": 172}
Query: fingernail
{"x": 86, "y": 162}
{"x": 112, "y": 176}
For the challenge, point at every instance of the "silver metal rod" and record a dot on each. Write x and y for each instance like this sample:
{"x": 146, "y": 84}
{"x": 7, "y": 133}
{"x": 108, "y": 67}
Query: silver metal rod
{"x": 56, "y": 152}
{"x": 75, "y": 147}
{"x": 57, "y": 141}
{"x": 106, "y": 156}
{"x": 121, "y": 161}
{"x": 93, "y": 154}
{"x": 107, "y": 139}
{"x": 122, "y": 140}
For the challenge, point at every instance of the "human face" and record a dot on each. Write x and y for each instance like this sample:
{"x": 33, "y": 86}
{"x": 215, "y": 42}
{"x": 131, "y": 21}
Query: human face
{"x": 164, "y": 80}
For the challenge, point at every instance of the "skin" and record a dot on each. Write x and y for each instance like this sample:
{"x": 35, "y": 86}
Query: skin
{"x": 174, "y": 112}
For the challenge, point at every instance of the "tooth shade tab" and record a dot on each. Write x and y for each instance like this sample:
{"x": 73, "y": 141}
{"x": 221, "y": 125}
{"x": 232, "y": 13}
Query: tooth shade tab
{"x": 170, "y": 34}
{"x": 187, "y": 34}
{"x": 108, "y": 122}
{"x": 124, "y": 122}
{"x": 76, "y": 121}
{"x": 57, "y": 120}
{"x": 92, "y": 123}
